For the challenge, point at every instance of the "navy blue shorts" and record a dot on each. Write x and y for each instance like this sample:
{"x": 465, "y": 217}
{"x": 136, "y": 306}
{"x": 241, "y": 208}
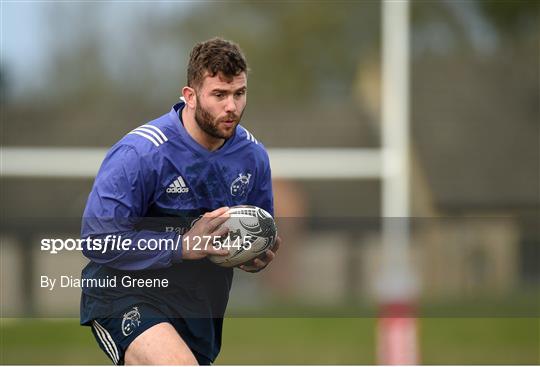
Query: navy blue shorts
{"x": 114, "y": 334}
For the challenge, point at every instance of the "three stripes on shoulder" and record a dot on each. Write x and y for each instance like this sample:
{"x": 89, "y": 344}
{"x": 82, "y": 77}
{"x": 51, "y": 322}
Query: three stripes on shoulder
{"x": 249, "y": 136}
{"x": 156, "y": 136}
{"x": 152, "y": 133}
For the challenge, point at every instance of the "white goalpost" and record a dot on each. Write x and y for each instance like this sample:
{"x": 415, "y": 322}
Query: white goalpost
{"x": 397, "y": 284}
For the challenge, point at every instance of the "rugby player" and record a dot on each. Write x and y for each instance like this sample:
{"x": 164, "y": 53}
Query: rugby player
{"x": 175, "y": 176}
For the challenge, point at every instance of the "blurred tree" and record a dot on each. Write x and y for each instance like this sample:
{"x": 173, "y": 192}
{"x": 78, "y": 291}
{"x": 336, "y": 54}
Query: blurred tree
{"x": 3, "y": 86}
{"x": 298, "y": 50}
{"x": 512, "y": 17}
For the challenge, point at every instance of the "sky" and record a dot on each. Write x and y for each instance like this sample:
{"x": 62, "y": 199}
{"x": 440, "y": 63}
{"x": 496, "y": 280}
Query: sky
{"x": 28, "y": 38}
{"x": 23, "y": 42}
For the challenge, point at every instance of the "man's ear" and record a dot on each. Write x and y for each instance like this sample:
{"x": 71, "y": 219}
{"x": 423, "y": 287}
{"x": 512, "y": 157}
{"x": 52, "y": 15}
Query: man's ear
{"x": 189, "y": 96}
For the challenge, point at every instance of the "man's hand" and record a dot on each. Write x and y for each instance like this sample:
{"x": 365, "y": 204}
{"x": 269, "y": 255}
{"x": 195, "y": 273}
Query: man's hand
{"x": 209, "y": 225}
{"x": 259, "y": 264}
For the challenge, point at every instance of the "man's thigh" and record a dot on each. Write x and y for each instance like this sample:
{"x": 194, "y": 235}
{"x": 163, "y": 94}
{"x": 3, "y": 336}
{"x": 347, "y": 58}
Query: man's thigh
{"x": 161, "y": 345}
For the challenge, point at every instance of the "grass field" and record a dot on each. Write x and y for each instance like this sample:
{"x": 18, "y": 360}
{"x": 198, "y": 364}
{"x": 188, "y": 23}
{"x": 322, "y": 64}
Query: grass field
{"x": 294, "y": 341}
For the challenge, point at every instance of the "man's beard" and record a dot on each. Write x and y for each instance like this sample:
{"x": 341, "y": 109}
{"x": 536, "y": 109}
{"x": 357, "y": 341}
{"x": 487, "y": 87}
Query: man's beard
{"x": 209, "y": 124}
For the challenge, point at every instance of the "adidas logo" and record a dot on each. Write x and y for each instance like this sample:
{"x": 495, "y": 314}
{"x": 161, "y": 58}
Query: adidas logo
{"x": 178, "y": 186}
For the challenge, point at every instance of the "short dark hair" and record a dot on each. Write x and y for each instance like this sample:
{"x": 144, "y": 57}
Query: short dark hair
{"x": 215, "y": 56}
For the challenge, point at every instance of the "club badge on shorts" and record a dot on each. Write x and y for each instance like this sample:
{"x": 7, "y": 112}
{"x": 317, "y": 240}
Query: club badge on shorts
{"x": 131, "y": 321}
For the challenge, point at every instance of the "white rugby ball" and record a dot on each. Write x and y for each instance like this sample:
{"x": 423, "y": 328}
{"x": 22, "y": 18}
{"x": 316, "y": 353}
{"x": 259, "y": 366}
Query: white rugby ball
{"x": 252, "y": 231}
